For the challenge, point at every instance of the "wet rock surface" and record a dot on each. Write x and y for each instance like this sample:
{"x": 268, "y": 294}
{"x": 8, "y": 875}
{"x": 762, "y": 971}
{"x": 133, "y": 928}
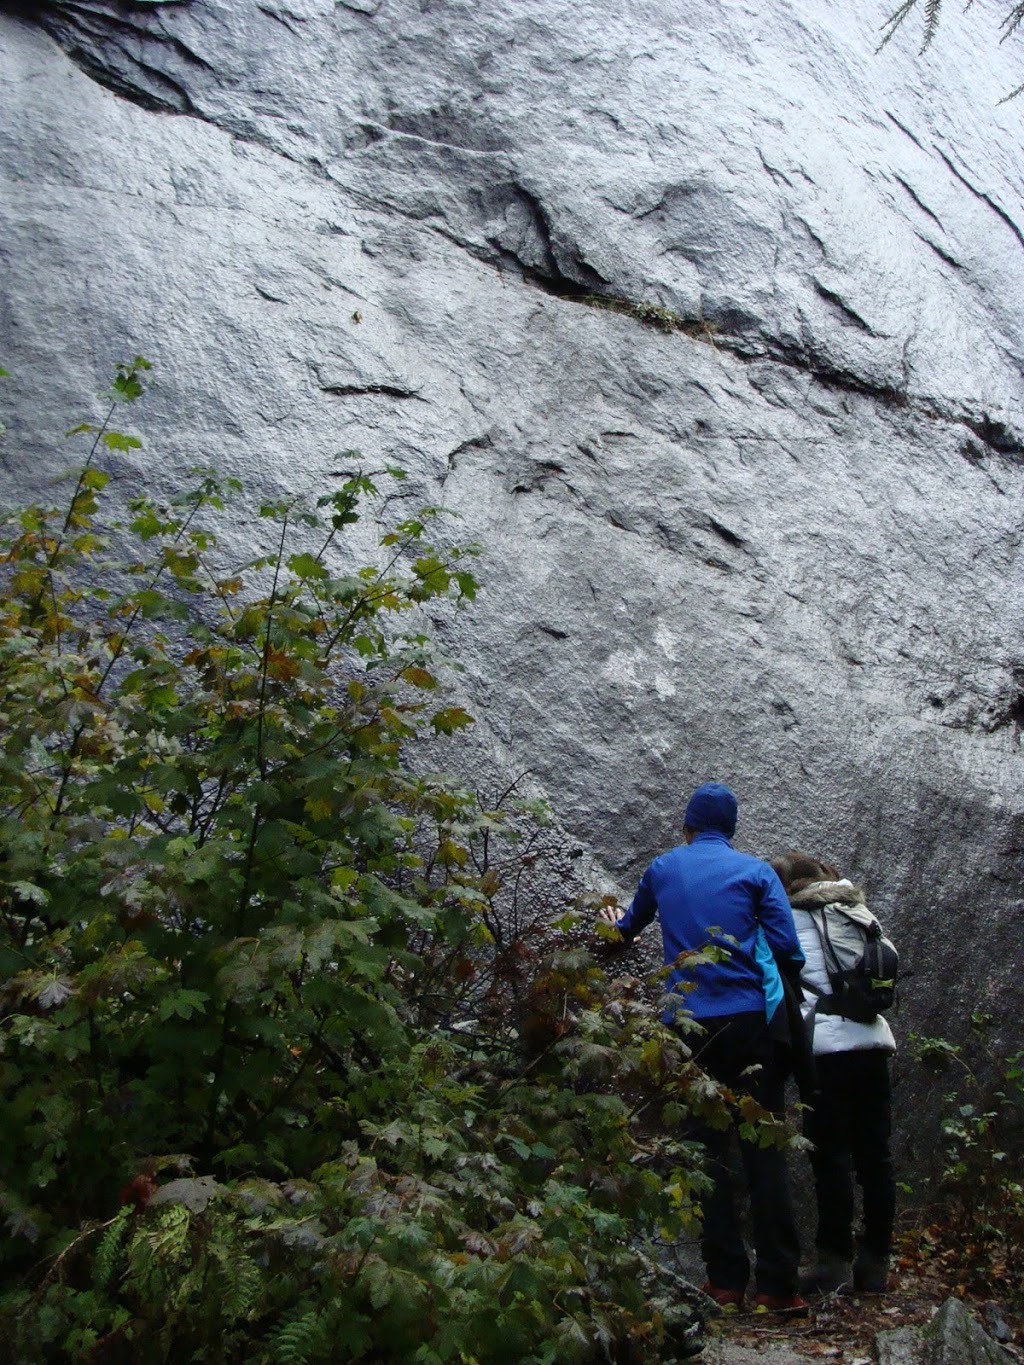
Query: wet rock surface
{"x": 707, "y": 323}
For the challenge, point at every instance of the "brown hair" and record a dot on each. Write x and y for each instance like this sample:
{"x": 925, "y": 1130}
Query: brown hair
{"x": 797, "y": 870}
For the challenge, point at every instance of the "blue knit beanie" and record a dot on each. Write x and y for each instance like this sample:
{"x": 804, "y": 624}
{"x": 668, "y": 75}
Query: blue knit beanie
{"x": 712, "y": 806}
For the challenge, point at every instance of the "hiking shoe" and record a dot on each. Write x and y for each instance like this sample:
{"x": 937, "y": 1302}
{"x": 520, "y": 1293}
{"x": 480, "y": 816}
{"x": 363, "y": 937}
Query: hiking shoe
{"x": 792, "y": 1304}
{"x": 728, "y": 1300}
{"x": 829, "y": 1275}
{"x": 871, "y": 1274}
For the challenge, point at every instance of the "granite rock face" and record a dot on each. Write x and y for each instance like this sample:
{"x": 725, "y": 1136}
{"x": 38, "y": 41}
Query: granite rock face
{"x": 707, "y": 321}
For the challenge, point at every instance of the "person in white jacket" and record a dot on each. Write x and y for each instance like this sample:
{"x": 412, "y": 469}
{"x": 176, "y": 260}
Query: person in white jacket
{"x": 850, "y": 1119}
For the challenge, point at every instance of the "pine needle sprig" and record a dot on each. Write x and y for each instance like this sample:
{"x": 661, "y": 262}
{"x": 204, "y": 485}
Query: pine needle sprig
{"x": 1009, "y": 25}
{"x": 931, "y": 21}
{"x": 895, "y": 21}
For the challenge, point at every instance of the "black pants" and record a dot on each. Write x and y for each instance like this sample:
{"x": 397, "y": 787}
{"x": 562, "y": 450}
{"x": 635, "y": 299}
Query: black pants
{"x": 736, "y": 1042}
{"x": 850, "y": 1126}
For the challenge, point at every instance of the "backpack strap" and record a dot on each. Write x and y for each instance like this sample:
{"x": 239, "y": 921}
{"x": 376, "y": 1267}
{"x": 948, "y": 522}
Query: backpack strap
{"x": 827, "y": 945}
{"x": 824, "y": 1002}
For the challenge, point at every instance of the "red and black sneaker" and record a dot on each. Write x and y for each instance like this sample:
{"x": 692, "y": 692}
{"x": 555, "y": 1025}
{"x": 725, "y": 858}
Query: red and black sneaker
{"x": 728, "y": 1300}
{"x": 792, "y": 1304}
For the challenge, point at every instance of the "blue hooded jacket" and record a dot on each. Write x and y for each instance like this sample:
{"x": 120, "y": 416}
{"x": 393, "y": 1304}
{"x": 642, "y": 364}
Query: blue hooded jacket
{"x": 708, "y": 893}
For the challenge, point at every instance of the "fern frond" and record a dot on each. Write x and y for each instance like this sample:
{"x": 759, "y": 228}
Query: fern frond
{"x": 238, "y": 1282}
{"x": 107, "y": 1254}
{"x": 300, "y": 1341}
{"x": 168, "y": 1237}
{"x": 155, "y": 1250}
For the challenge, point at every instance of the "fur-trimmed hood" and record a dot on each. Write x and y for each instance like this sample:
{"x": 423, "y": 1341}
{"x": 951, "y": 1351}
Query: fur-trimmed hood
{"x": 818, "y": 894}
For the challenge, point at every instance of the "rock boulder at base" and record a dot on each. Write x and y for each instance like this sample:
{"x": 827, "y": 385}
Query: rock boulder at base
{"x": 953, "y": 1337}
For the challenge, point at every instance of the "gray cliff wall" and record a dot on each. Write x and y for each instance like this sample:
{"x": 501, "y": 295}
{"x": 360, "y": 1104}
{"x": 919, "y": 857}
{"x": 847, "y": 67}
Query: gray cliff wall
{"x": 778, "y": 545}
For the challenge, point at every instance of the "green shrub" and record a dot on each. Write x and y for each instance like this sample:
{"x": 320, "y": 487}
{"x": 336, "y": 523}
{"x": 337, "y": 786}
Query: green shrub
{"x": 970, "y": 1222}
{"x": 285, "y": 1074}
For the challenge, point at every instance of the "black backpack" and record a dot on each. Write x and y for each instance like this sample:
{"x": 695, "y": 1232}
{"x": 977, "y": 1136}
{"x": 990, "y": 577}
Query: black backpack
{"x": 862, "y": 964}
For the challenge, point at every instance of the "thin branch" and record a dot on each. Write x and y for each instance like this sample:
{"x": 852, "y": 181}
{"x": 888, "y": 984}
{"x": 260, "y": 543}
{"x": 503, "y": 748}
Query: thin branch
{"x": 264, "y": 670}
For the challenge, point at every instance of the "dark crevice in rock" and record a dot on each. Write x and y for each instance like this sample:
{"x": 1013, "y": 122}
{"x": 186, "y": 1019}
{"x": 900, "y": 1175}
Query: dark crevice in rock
{"x": 100, "y": 21}
{"x": 712, "y": 333}
{"x": 594, "y": 294}
{"x": 905, "y": 130}
{"x": 831, "y": 378}
{"x": 812, "y": 234}
{"x": 843, "y": 308}
{"x": 919, "y": 201}
{"x": 996, "y": 435}
{"x": 671, "y": 538}
{"x": 985, "y": 198}
{"x": 969, "y": 713}
{"x": 444, "y": 125}
{"x": 543, "y": 259}
{"x": 553, "y": 631}
{"x": 364, "y": 135}
{"x": 549, "y": 276}
{"x": 160, "y": 96}
{"x": 717, "y": 334}
{"x": 539, "y": 475}
{"x": 977, "y": 458}
{"x": 943, "y": 255}
{"x": 546, "y": 264}
{"x": 825, "y": 373}
{"x": 474, "y": 443}
{"x": 553, "y": 282}
{"x": 75, "y": 26}
{"x": 786, "y": 714}
{"x": 649, "y": 212}
{"x": 804, "y": 358}
{"x": 357, "y": 390}
{"x": 723, "y": 533}
{"x": 83, "y": 30}
{"x": 287, "y": 20}
{"x": 774, "y": 171}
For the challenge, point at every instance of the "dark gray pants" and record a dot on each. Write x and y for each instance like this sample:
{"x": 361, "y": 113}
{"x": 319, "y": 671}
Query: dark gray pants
{"x": 736, "y": 1042}
{"x": 849, "y": 1126}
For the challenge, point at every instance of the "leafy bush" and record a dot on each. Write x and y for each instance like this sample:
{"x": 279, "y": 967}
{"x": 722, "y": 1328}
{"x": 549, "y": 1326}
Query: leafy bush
{"x": 286, "y": 1075}
{"x": 972, "y": 1226}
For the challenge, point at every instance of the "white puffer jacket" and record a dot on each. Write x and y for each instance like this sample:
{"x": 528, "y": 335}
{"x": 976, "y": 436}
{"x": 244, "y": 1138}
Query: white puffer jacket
{"x": 832, "y": 1033}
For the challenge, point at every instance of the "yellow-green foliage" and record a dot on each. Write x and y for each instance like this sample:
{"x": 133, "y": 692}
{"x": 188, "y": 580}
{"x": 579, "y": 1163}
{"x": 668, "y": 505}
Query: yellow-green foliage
{"x": 285, "y": 1074}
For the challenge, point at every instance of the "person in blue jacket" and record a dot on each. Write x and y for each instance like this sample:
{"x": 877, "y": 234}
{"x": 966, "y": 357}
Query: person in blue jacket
{"x": 706, "y": 893}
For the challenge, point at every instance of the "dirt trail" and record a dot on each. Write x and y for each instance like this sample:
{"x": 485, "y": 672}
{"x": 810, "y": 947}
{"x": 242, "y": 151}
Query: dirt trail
{"x": 840, "y": 1329}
